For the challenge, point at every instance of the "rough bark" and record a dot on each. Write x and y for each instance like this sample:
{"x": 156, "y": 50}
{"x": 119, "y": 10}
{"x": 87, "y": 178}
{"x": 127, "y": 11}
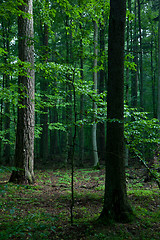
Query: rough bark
{"x": 116, "y": 205}
{"x": 24, "y": 152}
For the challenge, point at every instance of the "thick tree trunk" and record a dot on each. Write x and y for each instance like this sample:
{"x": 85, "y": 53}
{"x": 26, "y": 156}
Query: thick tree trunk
{"x": 24, "y": 152}
{"x": 116, "y": 205}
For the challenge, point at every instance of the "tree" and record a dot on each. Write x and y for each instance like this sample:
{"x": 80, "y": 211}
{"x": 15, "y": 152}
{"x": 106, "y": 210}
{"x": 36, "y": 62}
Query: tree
{"x": 24, "y": 151}
{"x": 102, "y": 83}
{"x": 158, "y": 104}
{"x": 95, "y": 78}
{"x": 43, "y": 86}
{"x": 6, "y": 28}
{"x": 134, "y": 80}
{"x": 141, "y": 55}
{"x": 81, "y": 136}
{"x": 116, "y": 206}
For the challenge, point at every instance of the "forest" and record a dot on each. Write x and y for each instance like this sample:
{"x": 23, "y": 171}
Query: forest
{"x": 79, "y": 119}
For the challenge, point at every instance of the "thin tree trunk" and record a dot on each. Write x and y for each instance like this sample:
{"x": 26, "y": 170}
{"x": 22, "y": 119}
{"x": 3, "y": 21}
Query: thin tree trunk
{"x": 1, "y": 123}
{"x": 94, "y": 127}
{"x": 81, "y": 105}
{"x": 134, "y": 80}
{"x": 158, "y": 103}
{"x": 101, "y": 126}
{"x": 141, "y": 56}
{"x": 69, "y": 60}
{"x": 6, "y": 80}
{"x": 128, "y": 40}
{"x": 44, "y": 148}
{"x": 153, "y": 83}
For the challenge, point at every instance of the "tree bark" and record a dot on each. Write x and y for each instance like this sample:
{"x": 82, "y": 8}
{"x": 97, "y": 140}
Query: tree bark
{"x": 101, "y": 126}
{"x": 134, "y": 80}
{"x": 69, "y": 117}
{"x": 24, "y": 152}
{"x": 6, "y": 81}
{"x": 158, "y": 103}
{"x": 94, "y": 127}
{"x": 43, "y": 86}
{"x": 116, "y": 205}
{"x": 140, "y": 56}
{"x": 128, "y": 40}
{"x": 153, "y": 83}
{"x": 81, "y": 138}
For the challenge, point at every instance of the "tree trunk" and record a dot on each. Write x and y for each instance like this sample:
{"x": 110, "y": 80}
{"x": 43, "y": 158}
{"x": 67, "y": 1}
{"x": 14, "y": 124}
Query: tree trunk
{"x": 6, "y": 81}
{"x": 153, "y": 83}
{"x": 94, "y": 127}
{"x": 141, "y": 56}
{"x": 1, "y": 123}
{"x": 24, "y": 152}
{"x": 128, "y": 40}
{"x": 116, "y": 205}
{"x": 101, "y": 126}
{"x": 158, "y": 103}
{"x": 69, "y": 117}
{"x": 43, "y": 86}
{"x": 134, "y": 80}
{"x": 81, "y": 138}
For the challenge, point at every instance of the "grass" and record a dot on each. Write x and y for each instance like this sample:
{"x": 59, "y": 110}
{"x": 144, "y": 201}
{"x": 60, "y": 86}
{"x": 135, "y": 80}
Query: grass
{"x": 42, "y": 210}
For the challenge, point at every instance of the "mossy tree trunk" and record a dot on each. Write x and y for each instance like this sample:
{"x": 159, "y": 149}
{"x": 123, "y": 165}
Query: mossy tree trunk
{"x": 24, "y": 151}
{"x": 116, "y": 206}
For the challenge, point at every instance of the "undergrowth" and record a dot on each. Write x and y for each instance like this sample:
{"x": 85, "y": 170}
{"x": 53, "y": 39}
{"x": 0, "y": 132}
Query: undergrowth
{"x": 42, "y": 210}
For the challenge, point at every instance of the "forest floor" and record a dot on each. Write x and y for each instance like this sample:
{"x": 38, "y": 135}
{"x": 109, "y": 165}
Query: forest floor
{"x": 42, "y": 210}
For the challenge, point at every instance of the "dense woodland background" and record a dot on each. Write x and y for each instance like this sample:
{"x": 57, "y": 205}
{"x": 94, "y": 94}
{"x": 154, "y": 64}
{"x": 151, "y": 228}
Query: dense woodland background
{"x": 71, "y": 41}
{"x": 80, "y": 89}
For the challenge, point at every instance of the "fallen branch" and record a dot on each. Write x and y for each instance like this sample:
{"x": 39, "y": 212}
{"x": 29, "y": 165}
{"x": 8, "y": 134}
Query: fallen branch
{"x": 141, "y": 159}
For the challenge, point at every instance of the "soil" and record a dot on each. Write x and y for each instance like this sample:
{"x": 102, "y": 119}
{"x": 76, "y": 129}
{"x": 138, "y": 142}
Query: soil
{"x": 43, "y": 210}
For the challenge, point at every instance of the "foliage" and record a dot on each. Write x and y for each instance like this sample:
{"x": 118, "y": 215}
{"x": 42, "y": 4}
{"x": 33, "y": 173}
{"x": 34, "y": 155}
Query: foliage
{"x": 141, "y": 131}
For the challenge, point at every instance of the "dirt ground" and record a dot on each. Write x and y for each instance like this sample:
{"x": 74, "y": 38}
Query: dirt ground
{"x": 43, "y": 210}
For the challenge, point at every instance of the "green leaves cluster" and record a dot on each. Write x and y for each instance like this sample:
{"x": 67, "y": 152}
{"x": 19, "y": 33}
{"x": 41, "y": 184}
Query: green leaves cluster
{"x": 142, "y": 133}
